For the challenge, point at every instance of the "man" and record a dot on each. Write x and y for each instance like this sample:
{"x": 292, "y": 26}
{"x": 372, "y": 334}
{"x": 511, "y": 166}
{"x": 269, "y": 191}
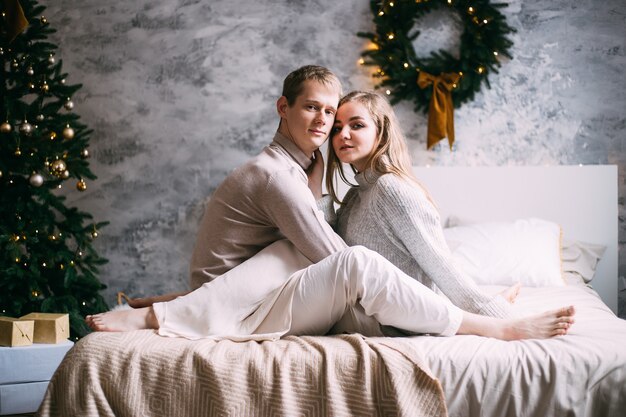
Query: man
{"x": 268, "y": 198}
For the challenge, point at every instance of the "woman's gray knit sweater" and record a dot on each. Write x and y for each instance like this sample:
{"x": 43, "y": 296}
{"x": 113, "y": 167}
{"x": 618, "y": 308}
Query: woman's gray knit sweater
{"x": 395, "y": 218}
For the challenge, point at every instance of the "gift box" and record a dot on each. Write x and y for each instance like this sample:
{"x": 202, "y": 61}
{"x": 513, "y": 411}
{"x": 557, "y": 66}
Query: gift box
{"x": 49, "y": 327}
{"x": 16, "y": 332}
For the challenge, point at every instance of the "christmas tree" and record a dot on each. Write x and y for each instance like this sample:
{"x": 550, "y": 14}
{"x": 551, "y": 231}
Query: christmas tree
{"x": 47, "y": 262}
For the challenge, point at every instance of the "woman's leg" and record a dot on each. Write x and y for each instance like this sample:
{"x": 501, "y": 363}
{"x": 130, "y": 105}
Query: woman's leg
{"x": 359, "y": 279}
{"x": 357, "y": 275}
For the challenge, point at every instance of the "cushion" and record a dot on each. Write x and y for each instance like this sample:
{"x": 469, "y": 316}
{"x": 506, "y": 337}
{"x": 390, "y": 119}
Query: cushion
{"x": 527, "y": 251}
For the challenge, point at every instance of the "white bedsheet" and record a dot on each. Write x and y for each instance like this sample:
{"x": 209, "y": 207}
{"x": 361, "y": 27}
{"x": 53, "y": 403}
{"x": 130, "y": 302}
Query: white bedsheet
{"x": 581, "y": 374}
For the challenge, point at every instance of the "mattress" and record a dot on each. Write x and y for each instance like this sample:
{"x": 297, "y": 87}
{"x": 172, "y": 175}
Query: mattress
{"x": 580, "y": 374}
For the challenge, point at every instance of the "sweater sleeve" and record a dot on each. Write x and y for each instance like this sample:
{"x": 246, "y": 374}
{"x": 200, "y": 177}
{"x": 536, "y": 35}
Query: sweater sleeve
{"x": 290, "y": 205}
{"x": 415, "y": 221}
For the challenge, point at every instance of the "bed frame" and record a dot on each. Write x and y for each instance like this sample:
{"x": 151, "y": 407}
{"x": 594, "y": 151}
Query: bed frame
{"x": 587, "y": 208}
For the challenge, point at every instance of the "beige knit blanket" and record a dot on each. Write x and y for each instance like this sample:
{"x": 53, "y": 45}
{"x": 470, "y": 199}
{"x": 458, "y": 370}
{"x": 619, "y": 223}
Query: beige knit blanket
{"x": 143, "y": 374}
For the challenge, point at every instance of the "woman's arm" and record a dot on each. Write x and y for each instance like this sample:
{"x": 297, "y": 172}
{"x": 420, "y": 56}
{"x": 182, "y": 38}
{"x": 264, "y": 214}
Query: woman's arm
{"x": 415, "y": 222}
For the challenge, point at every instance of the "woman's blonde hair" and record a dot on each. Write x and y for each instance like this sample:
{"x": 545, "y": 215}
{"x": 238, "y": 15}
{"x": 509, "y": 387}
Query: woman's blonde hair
{"x": 390, "y": 154}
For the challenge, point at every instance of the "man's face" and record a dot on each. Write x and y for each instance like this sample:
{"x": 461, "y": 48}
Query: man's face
{"x": 309, "y": 120}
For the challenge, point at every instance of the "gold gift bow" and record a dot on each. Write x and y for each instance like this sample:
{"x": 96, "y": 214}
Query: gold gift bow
{"x": 14, "y": 15}
{"x": 441, "y": 107}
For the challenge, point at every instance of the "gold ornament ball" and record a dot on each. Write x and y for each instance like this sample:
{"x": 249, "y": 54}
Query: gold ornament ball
{"x": 52, "y": 135}
{"x": 36, "y": 180}
{"x": 84, "y": 153}
{"x": 51, "y": 59}
{"x": 18, "y": 152}
{"x": 58, "y": 166}
{"x": 14, "y": 64}
{"x": 69, "y": 105}
{"x": 5, "y": 128}
{"x": 43, "y": 20}
{"x": 68, "y": 132}
{"x": 26, "y": 128}
{"x": 40, "y": 118}
{"x": 82, "y": 186}
{"x": 45, "y": 87}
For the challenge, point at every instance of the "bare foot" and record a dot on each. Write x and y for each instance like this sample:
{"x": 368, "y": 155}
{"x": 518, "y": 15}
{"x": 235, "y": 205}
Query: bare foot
{"x": 148, "y": 301}
{"x": 123, "y": 320}
{"x": 511, "y": 293}
{"x": 542, "y": 326}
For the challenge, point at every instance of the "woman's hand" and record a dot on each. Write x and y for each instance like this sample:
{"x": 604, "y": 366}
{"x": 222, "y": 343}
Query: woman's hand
{"x": 511, "y": 293}
{"x": 315, "y": 174}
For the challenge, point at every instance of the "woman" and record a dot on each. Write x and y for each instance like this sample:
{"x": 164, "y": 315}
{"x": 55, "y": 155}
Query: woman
{"x": 389, "y": 212}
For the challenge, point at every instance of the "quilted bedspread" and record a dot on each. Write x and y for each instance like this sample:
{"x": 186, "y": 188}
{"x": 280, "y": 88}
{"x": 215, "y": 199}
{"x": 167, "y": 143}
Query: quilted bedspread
{"x": 142, "y": 374}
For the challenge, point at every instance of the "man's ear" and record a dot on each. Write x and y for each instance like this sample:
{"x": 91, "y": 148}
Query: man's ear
{"x": 281, "y": 106}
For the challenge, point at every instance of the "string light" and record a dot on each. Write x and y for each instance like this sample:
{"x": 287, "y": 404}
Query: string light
{"x": 406, "y": 65}
{"x": 381, "y": 13}
{"x": 390, "y": 4}
{"x": 470, "y": 10}
{"x": 388, "y": 92}
{"x": 390, "y": 36}
{"x": 495, "y": 53}
{"x": 480, "y": 70}
{"x": 361, "y": 61}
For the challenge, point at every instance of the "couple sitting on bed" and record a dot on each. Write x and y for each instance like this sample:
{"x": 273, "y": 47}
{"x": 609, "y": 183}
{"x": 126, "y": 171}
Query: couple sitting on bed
{"x": 268, "y": 263}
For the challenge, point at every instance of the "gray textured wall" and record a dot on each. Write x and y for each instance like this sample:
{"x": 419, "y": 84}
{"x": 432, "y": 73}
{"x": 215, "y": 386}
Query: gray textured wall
{"x": 181, "y": 92}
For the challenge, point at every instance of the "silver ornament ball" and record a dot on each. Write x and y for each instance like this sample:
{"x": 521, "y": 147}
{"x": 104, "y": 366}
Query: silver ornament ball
{"x": 26, "y": 128}
{"x": 36, "y": 180}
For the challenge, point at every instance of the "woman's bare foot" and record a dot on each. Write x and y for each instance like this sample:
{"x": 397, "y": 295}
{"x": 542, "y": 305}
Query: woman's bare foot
{"x": 123, "y": 320}
{"x": 542, "y": 326}
{"x": 511, "y": 293}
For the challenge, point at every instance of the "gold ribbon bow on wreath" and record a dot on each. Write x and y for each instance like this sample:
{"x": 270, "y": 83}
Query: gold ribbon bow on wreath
{"x": 14, "y": 16}
{"x": 441, "y": 107}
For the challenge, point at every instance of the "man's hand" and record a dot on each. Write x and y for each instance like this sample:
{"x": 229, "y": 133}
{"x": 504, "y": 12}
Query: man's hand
{"x": 315, "y": 174}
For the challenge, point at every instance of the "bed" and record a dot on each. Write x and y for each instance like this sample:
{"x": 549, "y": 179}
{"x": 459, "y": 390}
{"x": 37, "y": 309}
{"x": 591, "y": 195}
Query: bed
{"x": 581, "y": 374}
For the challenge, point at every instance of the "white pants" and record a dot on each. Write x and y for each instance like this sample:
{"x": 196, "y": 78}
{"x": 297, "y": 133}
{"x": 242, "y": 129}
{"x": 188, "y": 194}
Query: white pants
{"x": 357, "y": 290}
{"x": 278, "y": 292}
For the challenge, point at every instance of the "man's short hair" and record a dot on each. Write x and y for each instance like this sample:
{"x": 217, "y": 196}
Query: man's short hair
{"x": 293, "y": 85}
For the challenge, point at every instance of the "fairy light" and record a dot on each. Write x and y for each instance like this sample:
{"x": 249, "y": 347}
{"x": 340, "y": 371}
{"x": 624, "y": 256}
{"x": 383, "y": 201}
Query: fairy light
{"x": 390, "y": 36}
{"x": 388, "y": 92}
{"x": 361, "y": 61}
{"x": 406, "y": 65}
{"x": 485, "y": 21}
{"x": 381, "y": 13}
{"x": 495, "y": 53}
{"x": 481, "y": 70}
{"x": 391, "y": 4}
{"x": 470, "y": 10}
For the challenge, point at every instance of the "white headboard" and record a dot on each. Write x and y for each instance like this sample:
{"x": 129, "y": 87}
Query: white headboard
{"x": 582, "y": 199}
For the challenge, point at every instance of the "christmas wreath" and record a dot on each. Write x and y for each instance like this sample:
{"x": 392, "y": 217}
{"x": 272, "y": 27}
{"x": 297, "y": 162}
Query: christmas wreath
{"x": 407, "y": 76}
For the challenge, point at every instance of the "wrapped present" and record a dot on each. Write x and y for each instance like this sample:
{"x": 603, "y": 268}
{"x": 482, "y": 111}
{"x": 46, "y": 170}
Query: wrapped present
{"x": 16, "y": 332}
{"x": 49, "y": 327}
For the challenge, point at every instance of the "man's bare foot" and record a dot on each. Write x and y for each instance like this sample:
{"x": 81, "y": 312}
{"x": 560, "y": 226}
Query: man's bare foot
{"x": 123, "y": 320}
{"x": 511, "y": 293}
{"x": 542, "y": 326}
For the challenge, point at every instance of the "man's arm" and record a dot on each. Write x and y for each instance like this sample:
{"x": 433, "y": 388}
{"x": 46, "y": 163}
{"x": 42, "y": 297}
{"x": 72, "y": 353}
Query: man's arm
{"x": 290, "y": 205}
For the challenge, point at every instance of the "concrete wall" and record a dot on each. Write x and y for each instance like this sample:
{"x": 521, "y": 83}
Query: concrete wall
{"x": 181, "y": 92}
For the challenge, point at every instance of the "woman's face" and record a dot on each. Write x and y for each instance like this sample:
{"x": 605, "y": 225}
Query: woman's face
{"x": 354, "y": 134}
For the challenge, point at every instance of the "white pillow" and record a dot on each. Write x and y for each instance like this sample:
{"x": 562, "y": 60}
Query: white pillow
{"x": 527, "y": 251}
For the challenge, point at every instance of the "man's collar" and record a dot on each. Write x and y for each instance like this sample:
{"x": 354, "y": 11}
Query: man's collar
{"x": 292, "y": 149}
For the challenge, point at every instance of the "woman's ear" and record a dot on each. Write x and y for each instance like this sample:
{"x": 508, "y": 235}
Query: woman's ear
{"x": 281, "y": 106}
